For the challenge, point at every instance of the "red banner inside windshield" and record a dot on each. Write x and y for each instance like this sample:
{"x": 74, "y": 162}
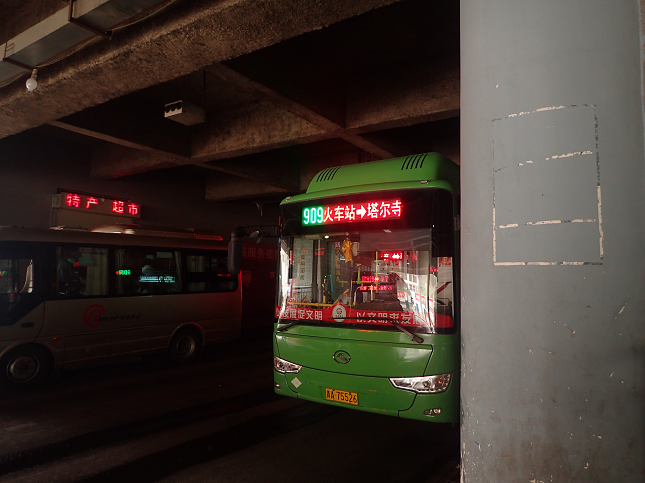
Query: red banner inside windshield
{"x": 342, "y": 314}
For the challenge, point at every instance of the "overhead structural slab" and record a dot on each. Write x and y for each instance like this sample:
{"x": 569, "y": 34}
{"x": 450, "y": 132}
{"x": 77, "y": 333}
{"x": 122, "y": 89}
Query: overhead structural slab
{"x": 282, "y": 89}
{"x": 173, "y": 45}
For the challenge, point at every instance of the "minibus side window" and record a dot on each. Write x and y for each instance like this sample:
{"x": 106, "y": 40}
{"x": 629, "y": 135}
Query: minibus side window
{"x": 16, "y": 288}
{"x": 147, "y": 271}
{"x": 208, "y": 272}
{"x": 81, "y": 271}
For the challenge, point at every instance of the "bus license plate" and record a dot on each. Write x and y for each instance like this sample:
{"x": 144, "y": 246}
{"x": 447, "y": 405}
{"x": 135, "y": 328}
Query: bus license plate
{"x": 341, "y": 396}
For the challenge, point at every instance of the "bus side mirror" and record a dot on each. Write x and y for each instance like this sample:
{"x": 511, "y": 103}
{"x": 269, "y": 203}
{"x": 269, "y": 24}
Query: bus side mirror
{"x": 235, "y": 247}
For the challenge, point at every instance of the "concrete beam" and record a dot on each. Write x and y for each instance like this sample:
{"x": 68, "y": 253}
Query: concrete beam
{"x": 258, "y": 89}
{"x": 251, "y": 129}
{"x": 186, "y": 37}
{"x": 227, "y": 188}
{"x": 425, "y": 91}
{"x": 391, "y": 100}
{"x": 402, "y": 96}
{"x": 121, "y": 123}
{"x": 274, "y": 171}
{"x": 115, "y": 161}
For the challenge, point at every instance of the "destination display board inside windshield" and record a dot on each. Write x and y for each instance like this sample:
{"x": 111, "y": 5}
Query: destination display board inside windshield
{"x": 376, "y": 210}
{"x": 349, "y": 212}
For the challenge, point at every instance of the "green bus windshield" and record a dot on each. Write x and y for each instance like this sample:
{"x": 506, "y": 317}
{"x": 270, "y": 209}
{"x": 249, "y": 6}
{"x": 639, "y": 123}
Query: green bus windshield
{"x": 346, "y": 267}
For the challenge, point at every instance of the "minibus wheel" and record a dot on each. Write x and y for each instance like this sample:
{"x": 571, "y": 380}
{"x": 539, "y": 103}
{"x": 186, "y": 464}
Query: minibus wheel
{"x": 24, "y": 367}
{"x": 185, "y": 346}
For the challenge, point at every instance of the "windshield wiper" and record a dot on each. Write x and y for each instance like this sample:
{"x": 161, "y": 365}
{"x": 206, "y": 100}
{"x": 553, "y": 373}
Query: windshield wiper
{"x": 398, "y": 326}
{"x": 287, "y": 325}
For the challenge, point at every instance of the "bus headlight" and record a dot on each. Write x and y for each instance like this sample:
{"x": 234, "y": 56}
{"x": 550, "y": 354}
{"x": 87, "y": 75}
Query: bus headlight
{"x": 283, "y": 366}
{"x": 424, "y": 384}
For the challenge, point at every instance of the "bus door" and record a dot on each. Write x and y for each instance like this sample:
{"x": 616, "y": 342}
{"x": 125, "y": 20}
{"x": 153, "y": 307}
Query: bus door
{"x": 21, "y": 308}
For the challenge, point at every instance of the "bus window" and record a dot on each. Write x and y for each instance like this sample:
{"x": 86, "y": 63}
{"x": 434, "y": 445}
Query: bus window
{"x": 206, "y": 272}
{"x": 147, "y": 271}
{"x": 396, "y": 271}
{"x": 28, "y": 285}
{"x": 16, "y": 276}
{"x": 16, "y": 283}
{"x": 81, "y": 271}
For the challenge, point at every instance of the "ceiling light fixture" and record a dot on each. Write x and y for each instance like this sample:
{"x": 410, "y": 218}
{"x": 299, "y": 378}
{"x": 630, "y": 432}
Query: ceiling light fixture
{"x": 32, "y": 83}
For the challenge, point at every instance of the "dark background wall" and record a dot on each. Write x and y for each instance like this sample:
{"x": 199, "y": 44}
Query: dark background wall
{"x": 33, "y": 166}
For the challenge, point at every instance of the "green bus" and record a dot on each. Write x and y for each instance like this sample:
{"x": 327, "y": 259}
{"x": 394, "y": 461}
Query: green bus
{"x": 368, "y": 294}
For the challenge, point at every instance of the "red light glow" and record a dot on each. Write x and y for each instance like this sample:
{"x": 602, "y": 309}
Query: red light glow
{"x": 396, "y": 256}
{"x": 369, "y": 278}
{"x": 373, "y": 288}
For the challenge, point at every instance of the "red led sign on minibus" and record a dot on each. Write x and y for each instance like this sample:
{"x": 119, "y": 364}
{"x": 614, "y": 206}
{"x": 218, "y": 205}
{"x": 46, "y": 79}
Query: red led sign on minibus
{"x": 352, "y": 212}
{"x": 97, "y": 204}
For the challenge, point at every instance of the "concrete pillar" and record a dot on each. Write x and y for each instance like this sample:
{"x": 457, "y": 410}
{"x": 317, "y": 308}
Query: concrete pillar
{"x": 553, "y": 245}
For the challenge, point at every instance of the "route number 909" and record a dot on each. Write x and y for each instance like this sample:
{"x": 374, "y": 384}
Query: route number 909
{"x": 312, "y": 216}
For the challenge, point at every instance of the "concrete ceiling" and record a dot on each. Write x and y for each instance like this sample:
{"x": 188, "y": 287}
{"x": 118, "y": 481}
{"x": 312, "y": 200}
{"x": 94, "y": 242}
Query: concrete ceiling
{"x": 288, "y": 86}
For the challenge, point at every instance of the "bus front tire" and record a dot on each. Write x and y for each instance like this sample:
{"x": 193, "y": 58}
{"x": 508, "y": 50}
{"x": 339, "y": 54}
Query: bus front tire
{"x": 184, "y": 346}
{"x": 24, "y": 367}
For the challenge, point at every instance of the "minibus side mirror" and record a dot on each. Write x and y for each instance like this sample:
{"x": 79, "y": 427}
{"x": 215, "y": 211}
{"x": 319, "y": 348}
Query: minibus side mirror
{"x": 236, "y": 245}
{"x": 235, "y": 248}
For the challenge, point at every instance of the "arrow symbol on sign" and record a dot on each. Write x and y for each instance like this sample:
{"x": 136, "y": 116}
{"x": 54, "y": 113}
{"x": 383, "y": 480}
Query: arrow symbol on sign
{"x": 361, "y": 211}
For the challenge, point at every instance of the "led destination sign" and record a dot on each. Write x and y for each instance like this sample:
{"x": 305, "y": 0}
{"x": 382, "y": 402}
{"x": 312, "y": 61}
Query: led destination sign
{"x": 96, "y": 204}
{"x": 352, "y": 212}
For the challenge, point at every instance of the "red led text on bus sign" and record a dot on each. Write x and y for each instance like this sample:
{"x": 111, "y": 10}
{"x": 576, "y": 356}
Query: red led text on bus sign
{"x": 392, "y": 256}
{"x": 100, "y": 205}
{"x": 351, "y": 212}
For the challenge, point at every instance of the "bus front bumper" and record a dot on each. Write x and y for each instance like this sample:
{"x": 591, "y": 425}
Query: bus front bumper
{"x": 374, "y": 394}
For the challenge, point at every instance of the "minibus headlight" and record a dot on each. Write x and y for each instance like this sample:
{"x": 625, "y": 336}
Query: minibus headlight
{"x": 422, "y": 385}
{"x": 283, "y": 366}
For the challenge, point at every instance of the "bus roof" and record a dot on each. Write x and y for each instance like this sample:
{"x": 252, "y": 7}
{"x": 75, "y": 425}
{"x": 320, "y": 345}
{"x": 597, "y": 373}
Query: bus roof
{"x": 39, "y": 235}
{"x": 426, "y": 170}
{"x": 151, "y": 230}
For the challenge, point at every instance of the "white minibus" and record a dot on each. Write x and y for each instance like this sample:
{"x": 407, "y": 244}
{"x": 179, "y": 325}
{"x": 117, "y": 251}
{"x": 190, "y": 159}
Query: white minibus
{"x": 71, "y": 298}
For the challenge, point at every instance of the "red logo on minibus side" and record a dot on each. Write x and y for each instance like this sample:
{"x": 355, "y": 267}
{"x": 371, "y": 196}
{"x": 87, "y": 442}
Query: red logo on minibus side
{"x": 92, "y": 314}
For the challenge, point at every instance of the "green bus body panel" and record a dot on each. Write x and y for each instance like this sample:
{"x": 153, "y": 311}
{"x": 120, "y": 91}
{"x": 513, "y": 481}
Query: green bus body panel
{"x": 400, "y": 173}
{"x": 375, "y": 356}
{"x": 373, "y": 353}
{"x": 374, "y": 393}
{"x": 367, "y": 358}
